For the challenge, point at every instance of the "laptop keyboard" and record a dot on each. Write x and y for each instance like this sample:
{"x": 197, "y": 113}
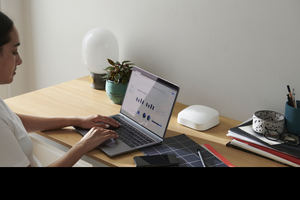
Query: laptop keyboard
{"x": 130, "y": 135}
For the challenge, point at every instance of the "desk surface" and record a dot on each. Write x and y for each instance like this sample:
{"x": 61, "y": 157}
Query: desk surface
{"x": 77, "y": 98}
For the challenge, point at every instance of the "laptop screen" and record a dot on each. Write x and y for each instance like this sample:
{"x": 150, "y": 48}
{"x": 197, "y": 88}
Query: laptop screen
{"x": 149, "y": 101}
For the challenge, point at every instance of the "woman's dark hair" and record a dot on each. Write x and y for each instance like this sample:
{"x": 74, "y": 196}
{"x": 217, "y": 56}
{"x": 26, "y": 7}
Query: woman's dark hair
{"x": 6, "y": 26}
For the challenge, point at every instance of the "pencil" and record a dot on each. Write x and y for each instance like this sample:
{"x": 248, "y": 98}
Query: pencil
{"x": 201, "y": 159}
{"x": 289, "y": 90}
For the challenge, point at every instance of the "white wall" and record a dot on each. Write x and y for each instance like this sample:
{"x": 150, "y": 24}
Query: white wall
{"x": 14, "y": 9}
{"x": 236, "y": 56}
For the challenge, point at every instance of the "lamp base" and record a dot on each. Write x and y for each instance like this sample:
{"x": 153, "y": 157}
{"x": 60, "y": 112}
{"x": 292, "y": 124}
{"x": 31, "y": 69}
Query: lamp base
{"x": 96, "y": 81}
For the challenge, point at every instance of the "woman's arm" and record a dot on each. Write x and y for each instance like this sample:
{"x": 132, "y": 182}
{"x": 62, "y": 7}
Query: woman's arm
{"x": 70, "y": 157}
{"x": 38, "y": 123}
{"x": 91, "y": 140}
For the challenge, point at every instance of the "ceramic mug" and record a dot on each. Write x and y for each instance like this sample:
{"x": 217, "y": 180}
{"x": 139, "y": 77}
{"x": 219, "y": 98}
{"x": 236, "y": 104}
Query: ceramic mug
{"x": 267, "y": 119}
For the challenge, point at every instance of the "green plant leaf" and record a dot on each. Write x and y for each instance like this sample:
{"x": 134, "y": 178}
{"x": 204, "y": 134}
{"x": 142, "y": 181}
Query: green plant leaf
{"x": 116, "y": 81}
{"x": 124, "y": 80}
{"x": 118, "y": 72}
{"x": 110, "y": 61}
{"x": 109, "y": 68}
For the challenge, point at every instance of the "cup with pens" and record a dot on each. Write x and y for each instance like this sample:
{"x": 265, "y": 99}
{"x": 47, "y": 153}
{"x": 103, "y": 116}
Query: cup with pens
{"x": 292, "y": 113}
{"x": 271, "y": 124}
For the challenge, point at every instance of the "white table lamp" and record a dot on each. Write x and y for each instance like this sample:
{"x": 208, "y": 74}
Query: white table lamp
{"x": 98, "y": 45}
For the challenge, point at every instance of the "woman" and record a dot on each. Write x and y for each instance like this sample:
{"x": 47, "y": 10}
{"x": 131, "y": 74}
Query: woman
{"x": 15, "y": 144}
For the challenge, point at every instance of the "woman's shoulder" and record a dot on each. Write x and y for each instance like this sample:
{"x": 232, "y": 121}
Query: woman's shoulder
{"x": 8, "y": 117}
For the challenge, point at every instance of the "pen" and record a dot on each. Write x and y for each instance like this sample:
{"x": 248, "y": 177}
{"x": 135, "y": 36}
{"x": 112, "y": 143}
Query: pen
{"x": 291, "y": 96}
{"x": 201, "y": 159}
{"x": 294, "y": 97}
{"x": 289, "y": 100}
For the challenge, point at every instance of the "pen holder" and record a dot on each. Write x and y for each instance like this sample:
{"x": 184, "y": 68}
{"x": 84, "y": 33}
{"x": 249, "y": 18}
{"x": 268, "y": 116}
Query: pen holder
{"x": 292, "y": 118}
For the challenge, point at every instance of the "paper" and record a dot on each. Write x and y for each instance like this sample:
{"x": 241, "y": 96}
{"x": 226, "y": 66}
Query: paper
{"x": 263, "y": 153}
{"x": 249, "y": 130}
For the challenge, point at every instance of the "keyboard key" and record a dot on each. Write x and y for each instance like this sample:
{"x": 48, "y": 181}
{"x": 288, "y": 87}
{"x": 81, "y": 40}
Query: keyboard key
{"x": 130, "y": 135}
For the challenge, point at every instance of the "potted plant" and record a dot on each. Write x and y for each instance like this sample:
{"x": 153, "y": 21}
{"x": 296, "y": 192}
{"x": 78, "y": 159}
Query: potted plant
{"x": 117, "y": 77}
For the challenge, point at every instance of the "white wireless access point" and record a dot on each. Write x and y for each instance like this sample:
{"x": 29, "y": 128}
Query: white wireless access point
{"x": 198, "y": 117}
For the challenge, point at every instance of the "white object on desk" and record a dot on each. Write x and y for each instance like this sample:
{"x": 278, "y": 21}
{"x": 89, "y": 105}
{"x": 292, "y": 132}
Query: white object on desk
{"x": 98, "y": 45}
{"x": 198, "y": 117}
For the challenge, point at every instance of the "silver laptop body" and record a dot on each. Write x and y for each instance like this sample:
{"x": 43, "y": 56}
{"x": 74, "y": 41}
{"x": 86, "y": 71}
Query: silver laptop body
{"x": 146, "y": 109}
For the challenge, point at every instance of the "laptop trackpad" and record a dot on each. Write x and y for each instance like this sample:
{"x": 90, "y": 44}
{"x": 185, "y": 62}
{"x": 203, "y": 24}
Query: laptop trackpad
{"x": 115, "y": 148}
{"x": 110, "y": 142}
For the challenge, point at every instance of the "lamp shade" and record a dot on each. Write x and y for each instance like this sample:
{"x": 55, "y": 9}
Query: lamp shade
{"x": 98, "y": 45}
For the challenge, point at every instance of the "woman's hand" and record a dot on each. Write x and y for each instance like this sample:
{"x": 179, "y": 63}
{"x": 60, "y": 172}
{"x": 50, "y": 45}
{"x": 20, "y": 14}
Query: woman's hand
{"x": 97, "y": 121}
{"x": 95, "y": 137}
{"x": 91, "y": 140}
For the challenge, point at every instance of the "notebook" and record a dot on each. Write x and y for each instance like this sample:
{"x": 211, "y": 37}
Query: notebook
{"x": 145, "y": 113}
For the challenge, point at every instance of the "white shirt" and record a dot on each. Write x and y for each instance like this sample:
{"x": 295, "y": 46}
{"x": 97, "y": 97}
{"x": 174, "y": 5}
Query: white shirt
{"x": 16, "y": 148}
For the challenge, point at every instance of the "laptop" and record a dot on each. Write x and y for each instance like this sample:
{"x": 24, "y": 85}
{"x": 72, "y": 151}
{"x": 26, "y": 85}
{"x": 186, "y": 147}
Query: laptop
{"x": 144, "y": 116}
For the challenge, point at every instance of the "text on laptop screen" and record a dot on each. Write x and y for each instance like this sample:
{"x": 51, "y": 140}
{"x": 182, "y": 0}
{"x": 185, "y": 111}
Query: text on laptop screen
{"x": 149, "y": 102}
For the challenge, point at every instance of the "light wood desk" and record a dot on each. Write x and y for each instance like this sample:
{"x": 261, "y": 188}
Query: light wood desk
{"x": 77, "y": 98}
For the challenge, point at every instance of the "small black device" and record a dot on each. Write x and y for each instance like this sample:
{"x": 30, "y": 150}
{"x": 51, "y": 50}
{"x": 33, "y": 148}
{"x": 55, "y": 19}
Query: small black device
{"x": 167, "y": 160}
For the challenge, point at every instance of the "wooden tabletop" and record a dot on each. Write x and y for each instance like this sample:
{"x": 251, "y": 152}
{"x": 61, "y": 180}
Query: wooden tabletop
{"x": 77, "y": 98}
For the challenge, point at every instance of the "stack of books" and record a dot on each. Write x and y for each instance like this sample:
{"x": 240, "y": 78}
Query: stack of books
{"x": 245, "y": 139}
